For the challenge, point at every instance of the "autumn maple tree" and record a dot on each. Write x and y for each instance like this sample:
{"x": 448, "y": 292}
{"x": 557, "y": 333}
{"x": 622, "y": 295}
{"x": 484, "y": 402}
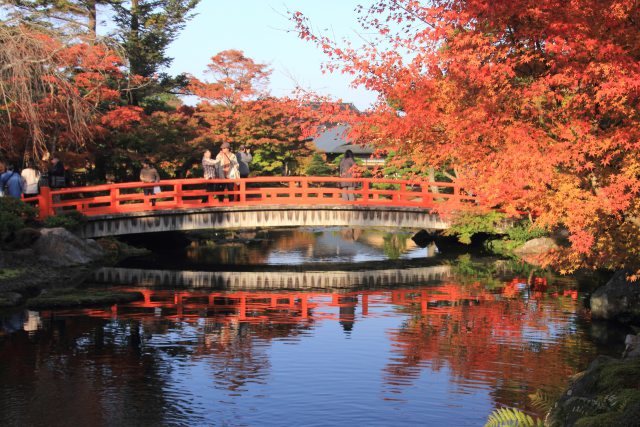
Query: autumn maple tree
{"x": 237, "y": 107}
{"x": 52, "y": 92}
{"x": 533, "y": 105}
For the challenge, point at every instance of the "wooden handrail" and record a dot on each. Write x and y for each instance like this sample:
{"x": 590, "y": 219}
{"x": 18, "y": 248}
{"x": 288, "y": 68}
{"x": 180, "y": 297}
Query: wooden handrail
{"x": 109, "y": 199}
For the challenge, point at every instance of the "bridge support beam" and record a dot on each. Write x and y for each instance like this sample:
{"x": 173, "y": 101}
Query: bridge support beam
{"x": 246, "y": 217}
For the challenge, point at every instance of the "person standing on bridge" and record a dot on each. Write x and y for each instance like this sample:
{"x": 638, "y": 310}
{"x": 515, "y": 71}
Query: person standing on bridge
{"x": 31, "y": 178}
{"x": 210, "y": 168}
{"x": 12, "y": 183}
{"x": 228, "y": 168}
{"x": 149, "y": 174}
{"x": 244, "y": 158}
{"x": 346, "y": 171}
{"x": 57, "y": 175}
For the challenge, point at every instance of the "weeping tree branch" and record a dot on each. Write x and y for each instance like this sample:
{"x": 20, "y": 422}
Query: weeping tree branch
{"x": 36, "y": 86}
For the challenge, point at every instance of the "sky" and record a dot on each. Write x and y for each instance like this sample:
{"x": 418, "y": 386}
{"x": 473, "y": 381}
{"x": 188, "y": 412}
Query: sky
{"x": 261, "y": 29}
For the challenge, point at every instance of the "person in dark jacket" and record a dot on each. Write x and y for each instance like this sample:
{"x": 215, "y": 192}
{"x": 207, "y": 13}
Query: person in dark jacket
{"x": 56, "y": 174}
{"x": 244, "y": 158}
{"x": 12, "y": 183}
{"x": 346, "y": 171}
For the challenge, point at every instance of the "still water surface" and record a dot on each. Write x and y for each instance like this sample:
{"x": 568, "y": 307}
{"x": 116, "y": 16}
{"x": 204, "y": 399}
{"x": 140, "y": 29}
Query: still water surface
{"x": 437, "y": 343}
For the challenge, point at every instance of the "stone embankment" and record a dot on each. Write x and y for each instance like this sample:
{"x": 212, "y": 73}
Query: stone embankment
{"x": 618, "y": 300}
{"x": 53, "y": 261}
{"x": 606, "y": 394}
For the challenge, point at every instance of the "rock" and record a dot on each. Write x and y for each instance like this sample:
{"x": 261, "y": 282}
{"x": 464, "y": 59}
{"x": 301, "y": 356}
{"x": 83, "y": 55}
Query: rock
{"x": 25, "y": 237}
{"x": 534, "y": 251}
{"x": 59, "y": 247}
{"x": 422, "y": 238}
{"x": 618, "y": 300}
{"x": 538, "y": 246}
{"x": 606, "y": 394}
{"x": 632, "y": 343}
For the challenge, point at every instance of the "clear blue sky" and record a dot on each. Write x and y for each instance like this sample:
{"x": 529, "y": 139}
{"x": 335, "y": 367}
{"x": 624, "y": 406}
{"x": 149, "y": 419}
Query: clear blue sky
{"x": 259, "y": 28}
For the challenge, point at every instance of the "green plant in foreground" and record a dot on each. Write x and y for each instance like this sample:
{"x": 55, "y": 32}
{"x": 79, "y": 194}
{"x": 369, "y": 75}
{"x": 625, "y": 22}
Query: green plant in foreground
{"x": 503, "y": 417}
{"x": 14, "y": 214}
{"x": 71, "y": 220}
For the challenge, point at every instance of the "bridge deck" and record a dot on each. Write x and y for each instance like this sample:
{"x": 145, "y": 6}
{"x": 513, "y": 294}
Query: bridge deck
{"x": 190, "y": 204}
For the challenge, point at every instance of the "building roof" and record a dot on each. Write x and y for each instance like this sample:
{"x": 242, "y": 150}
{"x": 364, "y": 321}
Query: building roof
{"x": 333, "y": 140}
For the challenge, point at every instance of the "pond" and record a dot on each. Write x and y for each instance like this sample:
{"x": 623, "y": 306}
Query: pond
{"x": 300, "y": 327}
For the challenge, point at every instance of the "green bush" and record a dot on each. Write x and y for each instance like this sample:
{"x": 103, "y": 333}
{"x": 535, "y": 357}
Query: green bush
{"x": 14, "y": 214}
{"x": 503, "y": 247}
{"x": 523, "y": 232}
{"x": 70, "y": 220}
{"x": 466, "y": 224}
{"x": 319, "y": 167}
{"x": 516, "y": 236}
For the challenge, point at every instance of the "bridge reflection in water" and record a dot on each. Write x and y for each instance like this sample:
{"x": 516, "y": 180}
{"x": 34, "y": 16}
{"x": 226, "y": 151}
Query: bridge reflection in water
{"x": 446, "y": 341}
{"x": 285, "y": 306}
{"x": 278, "y": 280}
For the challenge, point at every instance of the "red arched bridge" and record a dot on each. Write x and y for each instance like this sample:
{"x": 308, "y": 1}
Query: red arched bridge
{"x": 189, "y": 204}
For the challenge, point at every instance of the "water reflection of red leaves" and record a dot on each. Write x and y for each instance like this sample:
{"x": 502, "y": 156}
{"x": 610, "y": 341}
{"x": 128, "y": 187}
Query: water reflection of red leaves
{"x": 291, "y": 307}
{"x": 482, "y": 336}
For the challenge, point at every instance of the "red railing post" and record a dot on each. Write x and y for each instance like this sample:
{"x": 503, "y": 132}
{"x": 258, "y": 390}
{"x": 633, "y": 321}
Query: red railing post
{"x": 427, "y": 197}
{"x": 44, "y": 203}
{"x": 456, "y": 194}
{"x": 400, "y": 193}
{"x": 178, "y": 191}
{"x": 366, "y": 187}
{"x": 113, "y": 202}
{"x": 304, "y": 189}
{"x": 293, "y": 184}
{"x": 242, "y": 191}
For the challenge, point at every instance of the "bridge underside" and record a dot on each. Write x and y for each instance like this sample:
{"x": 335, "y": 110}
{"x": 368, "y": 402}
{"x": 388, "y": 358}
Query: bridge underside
{"x": 279, "y": 280}
{"x": 246, "y": 217}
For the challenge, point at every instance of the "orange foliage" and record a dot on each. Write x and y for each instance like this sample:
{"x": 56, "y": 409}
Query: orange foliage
{"x": 53, "y": 92}
{"x": 535, "y": 105}
{"x": 237, "y": 107}
{"x": 122, "y": 118}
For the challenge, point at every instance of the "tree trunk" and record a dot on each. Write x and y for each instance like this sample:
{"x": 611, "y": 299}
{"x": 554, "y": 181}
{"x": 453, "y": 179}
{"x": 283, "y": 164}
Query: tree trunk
{"x": 92, "y": 15}
{"x": 134, "y": 35}
{"x": 432, "y": 178}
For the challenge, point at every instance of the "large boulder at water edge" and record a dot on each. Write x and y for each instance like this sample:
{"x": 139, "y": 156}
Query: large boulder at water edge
{"x": 534, "y": 250}
{"x": 62, "y": 248}
{"x": 618, "y": 300}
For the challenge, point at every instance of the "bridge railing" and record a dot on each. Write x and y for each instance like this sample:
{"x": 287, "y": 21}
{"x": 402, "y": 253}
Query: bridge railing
{"x": 109, "y": 199}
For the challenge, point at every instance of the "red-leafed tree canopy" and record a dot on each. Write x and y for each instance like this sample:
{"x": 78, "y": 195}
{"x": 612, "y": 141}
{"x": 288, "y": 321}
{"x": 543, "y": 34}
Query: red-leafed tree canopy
{"x": 237, "y": 107}
{"x": 534, "y": 104}
{"x": 52, "y": 92}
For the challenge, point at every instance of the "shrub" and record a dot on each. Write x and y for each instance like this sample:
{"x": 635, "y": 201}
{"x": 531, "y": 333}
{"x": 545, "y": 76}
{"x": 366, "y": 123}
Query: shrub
{"x": 516, "y": 236}
{"x": 70, "y": 220}
{"x": 466, "y": 224}
{"x": 14, "y": 213}
{"x": 319, "y": 167}
{"x": 523, "y": 232}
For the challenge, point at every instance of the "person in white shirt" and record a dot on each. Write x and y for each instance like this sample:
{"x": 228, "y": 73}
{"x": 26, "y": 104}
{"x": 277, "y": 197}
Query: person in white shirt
{"x": 31, "y": 177}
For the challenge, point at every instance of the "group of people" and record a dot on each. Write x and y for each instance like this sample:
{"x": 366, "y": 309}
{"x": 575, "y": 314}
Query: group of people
{"x": 229, "y": 165}
{"x": 226, "y": 165}
{"x": 28, "y": 181}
